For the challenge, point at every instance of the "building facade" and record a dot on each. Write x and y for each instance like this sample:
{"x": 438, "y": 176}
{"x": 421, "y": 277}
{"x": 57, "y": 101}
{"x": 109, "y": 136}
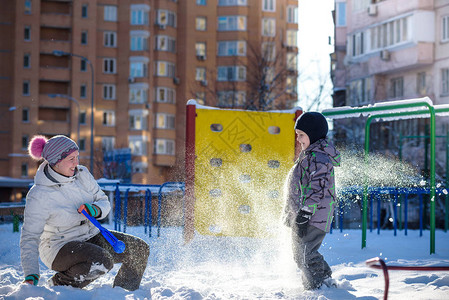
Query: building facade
{"x": 391, "y": 50}
{"x": 130, "y": 67}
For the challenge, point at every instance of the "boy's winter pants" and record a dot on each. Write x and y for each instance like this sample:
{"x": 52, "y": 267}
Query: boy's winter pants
{"x": 80, "y": 263}
{"x": 305, "y": 252}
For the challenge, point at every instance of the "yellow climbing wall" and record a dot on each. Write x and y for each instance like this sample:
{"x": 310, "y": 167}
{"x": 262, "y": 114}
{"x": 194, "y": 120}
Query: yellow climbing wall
{"x": 241, "y": 162}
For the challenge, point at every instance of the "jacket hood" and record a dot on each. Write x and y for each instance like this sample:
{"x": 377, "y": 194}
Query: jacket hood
{"x": 45, "y": 175}
{"x": 324, "y": 146}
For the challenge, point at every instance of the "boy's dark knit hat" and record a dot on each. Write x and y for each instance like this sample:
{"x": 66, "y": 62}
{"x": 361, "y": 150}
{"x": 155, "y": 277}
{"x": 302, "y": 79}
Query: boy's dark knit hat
{"x": 314, "y": 124}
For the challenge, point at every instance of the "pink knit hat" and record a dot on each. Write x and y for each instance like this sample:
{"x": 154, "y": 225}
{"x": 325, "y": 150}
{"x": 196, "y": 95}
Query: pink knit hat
{"x": 52, "y": 150}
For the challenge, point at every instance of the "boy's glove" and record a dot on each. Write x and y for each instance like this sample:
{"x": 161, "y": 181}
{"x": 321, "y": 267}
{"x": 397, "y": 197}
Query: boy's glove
{"x": 32, "y": 279}
{"x": 302, "y": 220}
{"x": 92, "y": 210}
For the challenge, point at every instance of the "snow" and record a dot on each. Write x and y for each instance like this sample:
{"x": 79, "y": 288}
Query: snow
{"x": 285, "y": 111}
{"x": 245, "y": 268}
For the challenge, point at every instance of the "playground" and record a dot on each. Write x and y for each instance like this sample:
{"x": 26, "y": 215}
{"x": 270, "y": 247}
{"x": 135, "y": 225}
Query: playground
{"x": 226, "y": 239}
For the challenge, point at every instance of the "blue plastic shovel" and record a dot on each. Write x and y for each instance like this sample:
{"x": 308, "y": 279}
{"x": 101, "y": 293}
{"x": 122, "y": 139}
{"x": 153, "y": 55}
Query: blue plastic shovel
{"x": 118, "y": 245}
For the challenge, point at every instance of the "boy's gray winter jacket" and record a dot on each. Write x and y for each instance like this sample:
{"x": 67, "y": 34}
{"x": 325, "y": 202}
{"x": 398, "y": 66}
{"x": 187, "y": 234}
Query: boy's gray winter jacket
{"x": 51, "y": 218}
{"x": 311, "y": 185}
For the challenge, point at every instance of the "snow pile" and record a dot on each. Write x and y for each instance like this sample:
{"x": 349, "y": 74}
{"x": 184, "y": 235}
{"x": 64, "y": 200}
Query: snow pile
{"x": 243, "y": 268}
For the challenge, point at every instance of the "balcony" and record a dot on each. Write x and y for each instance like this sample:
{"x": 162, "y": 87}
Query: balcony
{"x": 401, "y": 60}
{"x": 56, "y": 20}
{"x": 164, "y": 160}
{"x": 54, "y": 74}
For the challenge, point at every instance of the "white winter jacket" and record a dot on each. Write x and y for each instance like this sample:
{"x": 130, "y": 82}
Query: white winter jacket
{"x": 51, "y": 218}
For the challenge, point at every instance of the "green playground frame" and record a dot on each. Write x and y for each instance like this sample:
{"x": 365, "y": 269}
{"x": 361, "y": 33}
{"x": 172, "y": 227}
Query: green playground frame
{"x": 406, "y": 109}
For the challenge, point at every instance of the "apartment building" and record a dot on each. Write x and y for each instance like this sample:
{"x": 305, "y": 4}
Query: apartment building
{"x": 391, "y": 50}
{"x": 116, "y": 75}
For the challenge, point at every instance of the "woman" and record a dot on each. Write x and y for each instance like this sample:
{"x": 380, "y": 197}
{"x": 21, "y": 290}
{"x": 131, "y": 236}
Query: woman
{"x": 55, "y": 230}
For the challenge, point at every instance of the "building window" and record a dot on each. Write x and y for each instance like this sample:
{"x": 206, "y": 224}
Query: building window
{"x": 83, "y": 65}
{"x": 26, "y": 88}
{"x": 84, "y": 11}
{"x": 397, "y": 87}
{"x": 165, "y": 121}
{"x": 232, "y": 23}
{"x": 140, "y": 14}
{"x": 107, "y": 143}
{"x": 292, "y": 14}
{"x": 84, "y": 38}
{"x": 165, "y": 43}
{"x": 360, "y": 91}
{"x": 138, "y": 67}
{"x": 83, "y": 91}
{"x": 27, "y": 33}
{"x": 445, "y": 81}
{"x": 139, "y": 167}
{"x": 232, "y": 2}
{"x": 25, "y": 115}
{"x": 200, "y": 74}
{"x": 137, "y": 144}
{"x": 165, "y": 69}
{"x": 25, "y": 141}
{"x": 201, "y": 2}
{"x": 231, "y": 98}
{"x": 269, "y": 5}
{"x": 361, "y": 5}
{"x": 24, "y": 170}
{"x": 291, "y": 85}
{"x": 138, "y": 119}
{"x": 200, "y": 49}
{"x": 139, "y": 40}
{"x": 138, "y": 93}
{"x": 292, "y": 38}
{"x": 110, "y": 39}
{"x": 268, "y": 27}
{"x": 27, "y": 60}
{"x": 82, "y": 117}
{"x": 231, "y": 73}
{"x": 110, "y": 13}
{"x": 108, "y": 65}
{"x": 82, "y": 144}
{"x": 232, "y": 48}
{"x": 356, "y": 44}
{"x": 27, "y": 7}
{"x": 445, "y": 29}
{"x": 292, "y": 61}
{"x": 341, "y": 14}
{"x": 165, "y": 95}
{"x": 269, "y": 51}
{"x": 200, "y": 98}
{"x": 166, "y": 18}
{"x": 109, "y": 91}
{"x": 387, "y": 34}
{"x": 201, "y": 23}
{"x": 421, "y": 83}
{"x": 164, "y": 147}
{"x": 108, "y": 118}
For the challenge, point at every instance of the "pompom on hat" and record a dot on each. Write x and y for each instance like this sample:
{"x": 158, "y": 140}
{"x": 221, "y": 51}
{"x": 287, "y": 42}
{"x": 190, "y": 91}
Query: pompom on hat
{"x": 314, "y": 124}
{"x": 52, "y": 150}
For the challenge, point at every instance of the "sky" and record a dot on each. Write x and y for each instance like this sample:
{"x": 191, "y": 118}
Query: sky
{"x": 315, "y": 26}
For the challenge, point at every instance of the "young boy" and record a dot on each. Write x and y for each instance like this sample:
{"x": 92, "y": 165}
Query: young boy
{"x": 311, "y": 199}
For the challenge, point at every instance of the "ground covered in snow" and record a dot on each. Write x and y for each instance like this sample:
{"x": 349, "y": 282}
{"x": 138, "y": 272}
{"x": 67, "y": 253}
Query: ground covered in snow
{"x": 242, "y": 268}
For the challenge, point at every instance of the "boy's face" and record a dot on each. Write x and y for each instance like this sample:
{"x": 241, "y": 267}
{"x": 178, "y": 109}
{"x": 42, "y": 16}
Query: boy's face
{"x": 303, "y": 139}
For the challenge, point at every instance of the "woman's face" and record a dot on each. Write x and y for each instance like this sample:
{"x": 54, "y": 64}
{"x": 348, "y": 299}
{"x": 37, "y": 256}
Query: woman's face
{"x": 68, "y": 165}
{"x": 303, "y": 139}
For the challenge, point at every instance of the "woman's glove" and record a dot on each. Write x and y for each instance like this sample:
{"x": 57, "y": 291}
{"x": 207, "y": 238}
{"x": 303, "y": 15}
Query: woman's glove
{"x": 302, "y": 221}
{"x": 32, "y": 279}
{"x": 92, "y": 210}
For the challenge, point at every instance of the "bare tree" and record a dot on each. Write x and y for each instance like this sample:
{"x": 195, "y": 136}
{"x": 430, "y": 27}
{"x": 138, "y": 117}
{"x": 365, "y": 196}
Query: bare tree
{"x": 265, "y": 87}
